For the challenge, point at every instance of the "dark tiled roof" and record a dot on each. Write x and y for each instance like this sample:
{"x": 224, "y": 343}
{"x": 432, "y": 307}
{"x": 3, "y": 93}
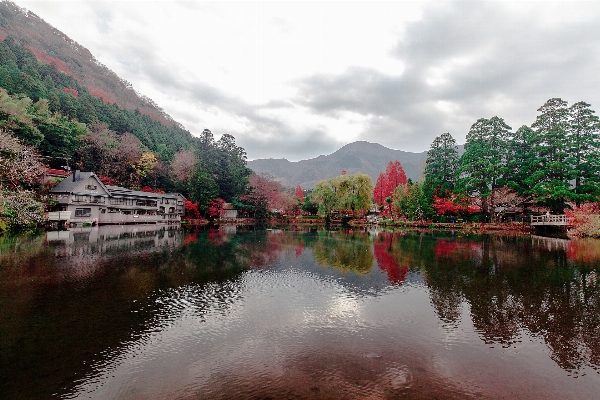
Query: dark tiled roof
{"x": 67, "y": 185}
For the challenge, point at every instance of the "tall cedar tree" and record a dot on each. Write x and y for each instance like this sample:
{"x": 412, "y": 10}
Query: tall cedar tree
{"x": 484, "y": 160}
{"x": 553, "y": 187}
{"x": 584, "y": 152}
{"x": 441, "y": 168}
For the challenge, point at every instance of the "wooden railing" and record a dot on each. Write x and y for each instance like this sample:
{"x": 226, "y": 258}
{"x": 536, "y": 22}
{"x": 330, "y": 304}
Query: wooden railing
{"x": 557, "y": 220}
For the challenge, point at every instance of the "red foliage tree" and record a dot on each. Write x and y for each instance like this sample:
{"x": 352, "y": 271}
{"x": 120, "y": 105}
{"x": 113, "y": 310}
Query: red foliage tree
{"x": 215, "y": 208}
{"x": 107, "y": 180}
{"x": 379, "y": 190}
{"x": 299, "y": 193}
{"x": 191, "y": 209}
{"x": 147, "y": 189}
{"x": 388, "y": 182}
{"x": 394, "y": 174}
{"x": 456, "y": 206}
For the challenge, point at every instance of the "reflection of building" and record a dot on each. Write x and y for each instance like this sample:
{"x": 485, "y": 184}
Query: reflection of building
{"x": 229, "y": 211}
{"x": 85, "y": 199}
{"x": 112, "y": 237}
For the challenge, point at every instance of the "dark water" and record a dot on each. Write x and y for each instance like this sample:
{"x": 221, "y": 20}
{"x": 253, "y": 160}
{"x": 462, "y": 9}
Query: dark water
{"x": 155, "y": 313}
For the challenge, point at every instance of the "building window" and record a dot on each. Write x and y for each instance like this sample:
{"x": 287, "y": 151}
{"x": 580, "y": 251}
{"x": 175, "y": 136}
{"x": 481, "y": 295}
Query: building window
{"x": 91, "y": 187}
{"x": 83, "y": 212}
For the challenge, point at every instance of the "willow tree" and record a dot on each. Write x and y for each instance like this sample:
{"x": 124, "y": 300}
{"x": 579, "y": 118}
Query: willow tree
{"x": 344, "y": 192}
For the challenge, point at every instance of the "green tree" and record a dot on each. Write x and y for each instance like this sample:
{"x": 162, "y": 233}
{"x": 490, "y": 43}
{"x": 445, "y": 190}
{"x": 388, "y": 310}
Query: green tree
{"x": 441, "y": 168}
{"x": 553, "y": 188}
{"x": 522, "y": 170}
{"x": 483, "y": 163}
{"x": 324, "y": 195}
{"x": 411, "y": 201}
{"x": 202, "y": 188}
{"x": 584, "y": 152}
{"x": 353, "y": 192}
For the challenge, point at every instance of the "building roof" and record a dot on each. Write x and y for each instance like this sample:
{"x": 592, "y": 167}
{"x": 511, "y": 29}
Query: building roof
{"x": 69, "y": 184}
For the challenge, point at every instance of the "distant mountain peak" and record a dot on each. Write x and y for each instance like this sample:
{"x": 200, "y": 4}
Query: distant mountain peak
{"x": 360, "y": 156}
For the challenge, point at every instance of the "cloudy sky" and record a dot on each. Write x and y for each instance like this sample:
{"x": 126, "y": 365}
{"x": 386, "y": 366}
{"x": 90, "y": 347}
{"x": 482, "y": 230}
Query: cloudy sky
{"x": 298, "y": 79}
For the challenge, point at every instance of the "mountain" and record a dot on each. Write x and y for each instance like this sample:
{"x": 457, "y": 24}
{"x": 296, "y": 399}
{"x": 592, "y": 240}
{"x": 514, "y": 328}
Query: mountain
{"x": 51, "y": 46}
{"x": 368, "y": 158}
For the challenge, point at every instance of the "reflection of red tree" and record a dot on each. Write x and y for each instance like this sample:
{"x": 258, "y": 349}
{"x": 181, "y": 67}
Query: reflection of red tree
{"x": 299, "y": 249}
{"x": 190, "y": 238}
{"x": 396, "y": 273}
{"x": 445, "y": 248}
{"x": 216, "y": 237}
{"x": 585, "y": 251}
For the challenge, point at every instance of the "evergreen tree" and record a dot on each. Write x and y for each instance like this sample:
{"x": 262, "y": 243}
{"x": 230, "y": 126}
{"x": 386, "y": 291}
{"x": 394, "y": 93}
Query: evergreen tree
{"x": 441, "y": 168}
{"x": 584, "y": 152}
{"x": 483, "y": 163}
{"x": 551, "y": 126}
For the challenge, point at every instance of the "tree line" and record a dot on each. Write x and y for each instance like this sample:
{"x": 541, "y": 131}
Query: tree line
{"x": 553, "y": 163}
{"x": 48, "y": 116}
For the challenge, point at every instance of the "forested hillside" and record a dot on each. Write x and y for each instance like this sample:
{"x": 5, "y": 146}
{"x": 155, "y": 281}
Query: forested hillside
{"x": 54, "y": 47}
{"x": 48, "y": 118}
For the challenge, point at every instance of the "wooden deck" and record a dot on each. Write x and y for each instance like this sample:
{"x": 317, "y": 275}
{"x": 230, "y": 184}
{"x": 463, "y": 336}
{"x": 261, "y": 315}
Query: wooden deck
{"x": 549, "y": 220}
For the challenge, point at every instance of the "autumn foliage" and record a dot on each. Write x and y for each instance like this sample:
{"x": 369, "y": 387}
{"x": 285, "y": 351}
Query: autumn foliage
{"x": 107, "y": 180}
{"x": 299, "y": 193}
{"x": 454, "y": 206}
{"x": 191, "y": 209}
{"x": 585, "y": 220}
{"x": 383, "y": 251}
{"x": 215, "y": 208}
{"x": 387, "y": 182}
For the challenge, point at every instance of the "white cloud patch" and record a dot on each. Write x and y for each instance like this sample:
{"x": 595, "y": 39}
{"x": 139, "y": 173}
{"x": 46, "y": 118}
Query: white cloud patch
{"x": 299, "y": 79}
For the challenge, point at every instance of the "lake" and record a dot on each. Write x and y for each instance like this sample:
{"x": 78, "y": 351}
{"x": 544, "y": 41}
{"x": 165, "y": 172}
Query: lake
{"x": 155, "y": 312}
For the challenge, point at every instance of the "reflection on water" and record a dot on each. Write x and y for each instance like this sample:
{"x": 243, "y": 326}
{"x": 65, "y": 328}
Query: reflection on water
{"x": 159, "y": 312}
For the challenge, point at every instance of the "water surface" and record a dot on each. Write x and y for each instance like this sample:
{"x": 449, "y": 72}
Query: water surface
{"x": 166, "y": 313}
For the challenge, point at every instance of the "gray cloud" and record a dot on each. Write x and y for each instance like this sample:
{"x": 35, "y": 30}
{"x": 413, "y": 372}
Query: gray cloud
{"x": 494, "y": 60}
{"x": 498, "y": 63}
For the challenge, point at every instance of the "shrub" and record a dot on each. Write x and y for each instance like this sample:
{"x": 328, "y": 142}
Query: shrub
{"x": 585, "y": 220}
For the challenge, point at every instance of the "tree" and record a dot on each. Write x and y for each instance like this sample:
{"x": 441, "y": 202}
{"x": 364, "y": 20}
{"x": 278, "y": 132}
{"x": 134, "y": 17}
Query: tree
{"x": 410, "y": 200}
{"x": 324, "y": 195}
{"x": 387, "y": 182}
{"x": 441, "y": 167}
{"x": 263, "y": 194}
{"x": 20, "y": 165}
{"x": 483, "y": 163}
{"x": 145, "y": 165}
{"x": 184, "y": 166}
{"x": 584, "y": 152}
{"x": 299, "y": 193}
{"x": 523, "y": 170}
{"x": 20, "y": 170}
{"x": 353, "y": 192}
{"x": 552, "y": 150}
{"x": 202, "y": 187}
{"x": 379, "y": 192}
{"x": 394, "y": 176}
